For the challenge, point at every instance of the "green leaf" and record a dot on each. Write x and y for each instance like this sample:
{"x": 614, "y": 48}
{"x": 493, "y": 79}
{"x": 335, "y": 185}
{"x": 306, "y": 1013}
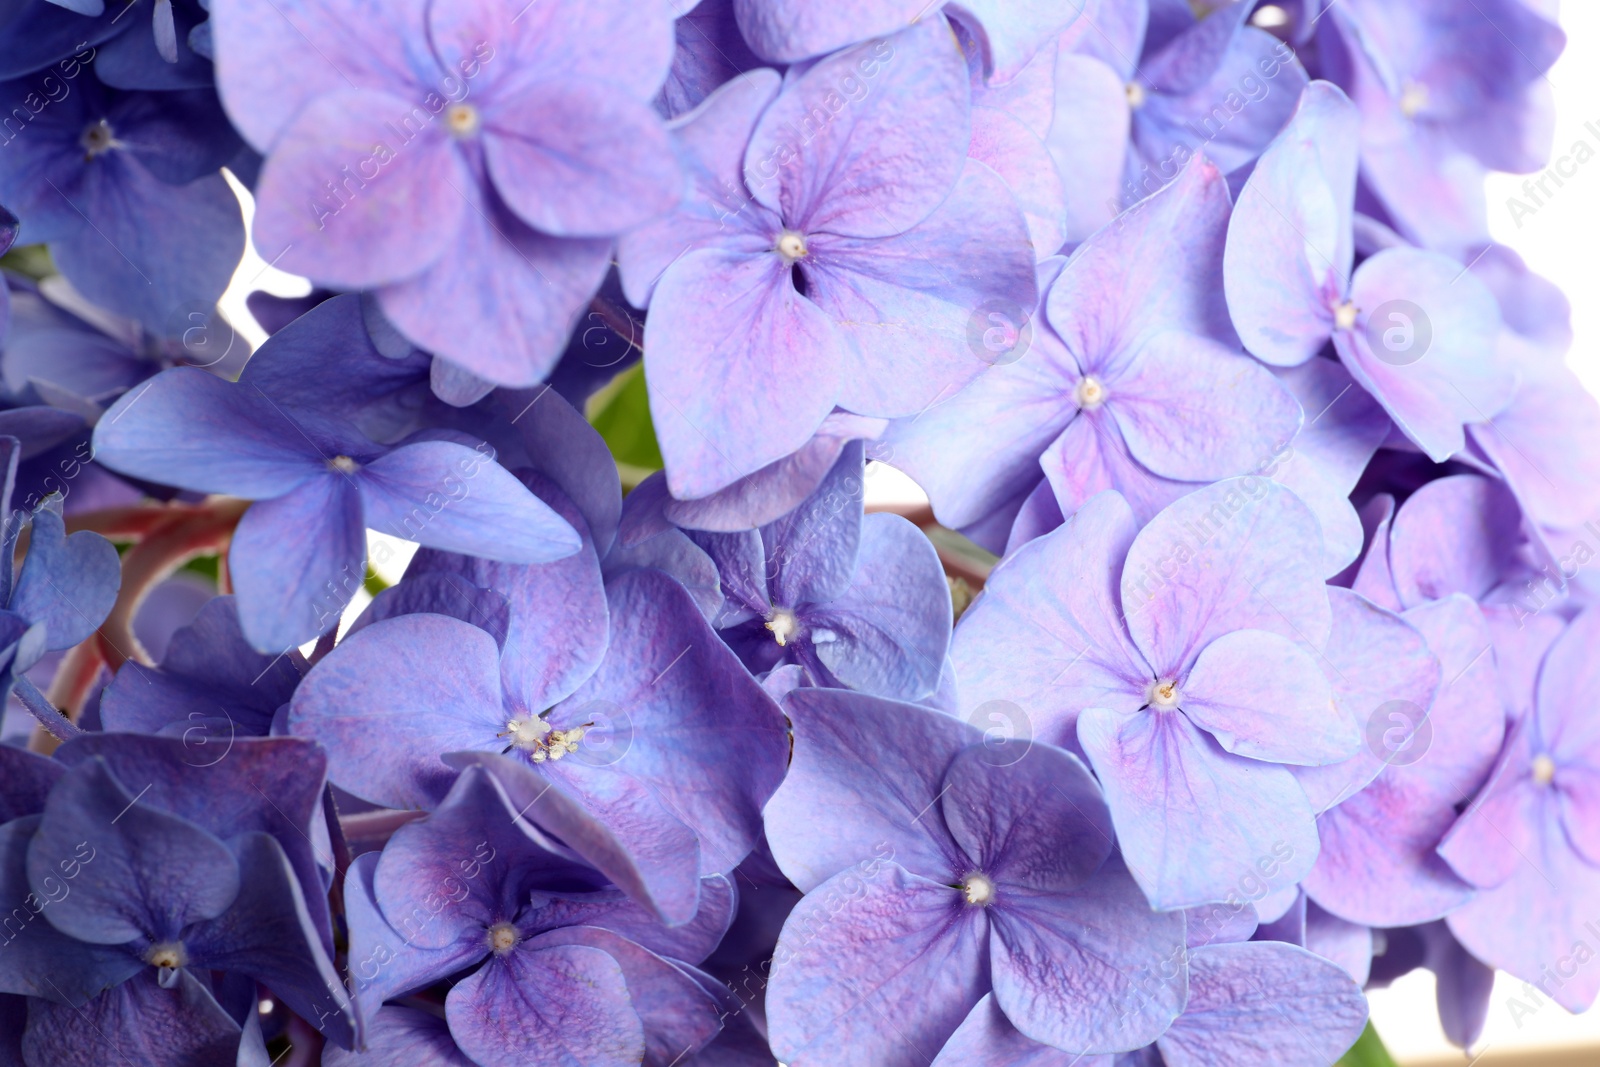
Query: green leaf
{"x": 621, "y": 412}
{"x": 1368, "y": 1051}
{"x": 32, "y": 261}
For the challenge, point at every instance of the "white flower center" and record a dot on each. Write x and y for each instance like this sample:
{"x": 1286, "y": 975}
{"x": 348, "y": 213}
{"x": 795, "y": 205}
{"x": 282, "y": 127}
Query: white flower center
{"x": 502, "y": 938}
{"x": 343, "y": 464}
{"x": 98, "y": 138}
{"x": 168, "y": 955}
{"x": 978, "y": 888}
{"x": 1544, "y": 770}
{"x": 783, "y": 624}
{"x": 791, "y": 245}
{"x": 1136, "y": 95}
{"x": 1089, "y": 393}
{"x": 462, "y": 119}
{"x": 1164, "y": 695}
{"x": 1344, "y": 316}
{"x": 1413, "y": 98}
{"x": 535, "y": 737}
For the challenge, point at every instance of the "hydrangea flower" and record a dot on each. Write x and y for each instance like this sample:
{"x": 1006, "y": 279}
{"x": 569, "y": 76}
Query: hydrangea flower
{"x": 125, "y": 188}
{"x": 546, "y": 959}
{"x": 1528, "y": 840}
{"x": 952, "y": 874}
{"x": 1414, "y": 328}
{"x": 858, "y": 601}
{"x": 1185, "y": 660}
{"x": 470, "y": 163}
{"x": 318, "y": 481}
{"x": 1122, "y": 385}
{"x": 823, "y": 258}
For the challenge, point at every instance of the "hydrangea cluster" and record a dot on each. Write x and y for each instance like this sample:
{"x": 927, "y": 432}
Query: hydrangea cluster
{"x": 1244, "y": 659}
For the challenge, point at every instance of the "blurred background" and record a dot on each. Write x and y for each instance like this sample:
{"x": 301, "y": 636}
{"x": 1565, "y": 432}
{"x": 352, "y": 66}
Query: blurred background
{"x": 1560, "y": 239}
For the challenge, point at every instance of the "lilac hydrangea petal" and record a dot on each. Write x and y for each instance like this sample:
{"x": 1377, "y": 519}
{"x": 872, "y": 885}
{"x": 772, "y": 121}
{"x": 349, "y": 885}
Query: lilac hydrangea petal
{"x": 26, "y": 781}
{"x": 1191, "y": 818}
{"x": 1010, "y": 33}
{"x": 677, "y": 1014}
{"x": 1347, "y": 944}
{"x": 882, "y": 142}
{"x": 1264, "y": 1002}
{"x": 892, "y": 624}
{"x": 791, "y": 30}
{"x": 1263, "y": 696}
{"x": 1504, "y": 824}
{"x": 1546, "y": 443}
{"x": 565, "y": 1003}
{"x": 812, "y": 551}
{"x": 605, "y": 165}
{"x": 393, "y": 697}
{"x": 1059, "y": 962}
{"x": 710, "y": 53}
{"x": 236, "y": 443}
{"x": 1039, "y": 823}
{"x": 1454, "y": 535}
{"x": 152, "y": 874}
{"x": 609, "y": 909}
{"x": 383, "y": 964}
{"x": 137, "y": 1023}
{"x": 440, "y": 593}
{"x": 351, "y": 238}
{"x": 1088, "y": 139}
{"x": 402, "y": 1037}
{"x": 1374, "y": 578}
{"x": 867, "y": 949}
{"x": 292, "y": 555}
{"x": 712, "y": 140}
{"x": 902, "y": 304}
{"x": 569, "y": 452}
{"x": 1458, "y": 378}
{"x": 268, "y": 934}
{"x": 1289, "y": 241}
{"x": 67, "y": 583}
{"x": 769, "y": 330}
{"x": 39, "y": 960}
{"x": 1569, "y": 674}
{"x": 451, "y": 497}
{"x": 1179, "y": 409}
{"x": 878, "y": 804}
{"x": 376, "y": 44}
{"x": 1092, "y": 457}
{"x": 1013, "y": 641}
{"x": 1244, "y": 552}
{"x": 514, "y": 294}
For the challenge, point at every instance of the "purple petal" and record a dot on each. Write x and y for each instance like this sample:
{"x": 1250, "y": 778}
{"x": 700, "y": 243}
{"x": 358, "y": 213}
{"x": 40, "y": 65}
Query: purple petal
{"x": 986, "y": 1036}
{"x": 1017, "y": 154}
{"x": 1264, "y": 1002}
{"x": 402, "y": 1037}
{"x": 1053, "y": 604}
{"x": 68, "y": 584}
{"x": 1454, "y": 535}
{"x": 1238, "y": 554}
{"x": 874, "y": 967}
{"x": 396, "y": 202}
{"x": 137, "y": 1023}
{"x": 297, "y": 560}
{"x": 881, "y": 807}
{"x": 1093, "y": 970}
{"x": 1263, "y": 696}
{"x": 1193, "y": 820}
{"x": 382, "y": 963}
{"x": 565, "y": 1003}
{"x": 451, "y": 497}
{"x": 811, "y": 552}
{"x": 1088, "y": 138}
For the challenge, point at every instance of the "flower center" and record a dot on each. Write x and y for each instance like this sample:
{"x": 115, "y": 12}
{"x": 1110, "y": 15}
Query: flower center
{"x": 1413, "y": 98}
{"x": 978, "y": 888}
{"x": 502, "y": 938}
{"x": 462, "y": 119}
{"x": 535, "y": 737}
{"x": 1136, "y": 95}
{"x": 167, "y": 955}
{"x": 1544, "y": 770}
{"x": 343, "y": 464}
{"x": 791, "y": 245}
{"x": 783, "y": 624}
{"x": 1344, "y": 315}
{"x": 97, "y": 139}
{"x": 1089, "y": 393}
{"x": 1164, "y": 695}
